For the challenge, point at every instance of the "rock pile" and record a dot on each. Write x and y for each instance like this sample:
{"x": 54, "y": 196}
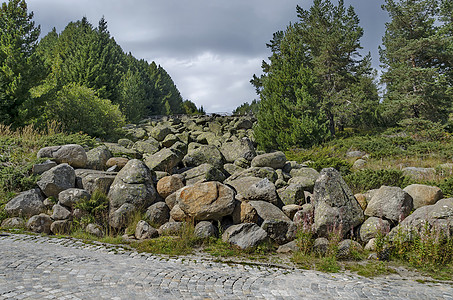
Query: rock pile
{"x": 206, "y": 169}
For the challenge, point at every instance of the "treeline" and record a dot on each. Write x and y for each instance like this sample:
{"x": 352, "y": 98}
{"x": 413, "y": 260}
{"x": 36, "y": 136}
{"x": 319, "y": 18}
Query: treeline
{"x": 316, "y": 83}
{"x": 80, "y": 77}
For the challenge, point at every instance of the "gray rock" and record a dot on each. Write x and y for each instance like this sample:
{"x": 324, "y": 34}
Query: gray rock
{"x": 120, "y": 151}
{"x": 390, "y": 203}
{"x": 277, "y": 225}
{"x": 121, "y": 217}
{"x": 171, "y": 200}
{"x": 92, "y": 180}
{"x": 206, "y": 201}
{"x": 164, "y": 160}
{"x": 95, "y": 230}
{"x": 40, "y": 223}
{"x": 275, "y": 160}
{"x": 335, "y": 205}
{"x": 290, "y": 247}
{"x": 26, "y": 204}
{"x": 72, "y": 154}
{"x": 150, "y": 146}
{"x": 160, "y": 132}
{"x": 171, "y": 228}
{"x": 72, "y": 196}
{"x": 13, "y": 223}
{"x": 133, "y": 185}
{"x": 38, "y": 169}
{"x": 170, "y": 140}
{"x": 205, "y": 229}
{"x": 98, "y": 157}
{"x": 424, "y": 194}
{"x": 245, "y": 236}
{"x": 236, "y": 149}
{"x": 158, "y": 213}
{"x": 292, "y": 194}
{"x": 346, "y": 246}
{"x": 290, "y": 210}
{"x": 359, "y": 164}
{"x": 355, "y": 154}
{"x": 61, "y": 227}
{"x": 321, "y": 246}
{"x": 436, "y": 218}
{"x": 264, "y": 172}
{"x": 145, "y": 231}
{"x": 419, "y": 174}
{"x": 57, "y": 179}
{"x": 204, "y": 154}
{"x": 60, "y": 213}
{"x": 372, "y": 227}
{"x": 127, "y": 143}
{"x": 204, "y": 172}
{"x": 305, "y": 177}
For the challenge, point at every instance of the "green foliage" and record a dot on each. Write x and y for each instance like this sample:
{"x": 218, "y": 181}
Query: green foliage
{"x": 320, "y": 158}
{"x": 20, "y": 68}
{"x": 96, "y": 210}
{"x": 96, "y": 117}
{"x": 315, "y": 80}
{"x": 364, "y": 180}
{"x": 416, "y": 57}
{"x": 247, "y": 109}
{"x": 371, "y": 269}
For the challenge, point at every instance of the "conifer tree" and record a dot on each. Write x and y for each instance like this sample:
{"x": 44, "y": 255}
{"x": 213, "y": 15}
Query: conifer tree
{"x": 20, "y": 68}
{"x": 416, "y": 59}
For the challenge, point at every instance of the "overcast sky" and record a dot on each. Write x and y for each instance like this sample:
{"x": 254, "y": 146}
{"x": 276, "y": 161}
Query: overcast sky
{"x": 210, "y": 48}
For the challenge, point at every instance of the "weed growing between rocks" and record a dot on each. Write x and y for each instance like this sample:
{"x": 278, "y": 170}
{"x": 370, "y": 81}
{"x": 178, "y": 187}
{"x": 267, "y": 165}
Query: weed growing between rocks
{"x": 94, "y": 210}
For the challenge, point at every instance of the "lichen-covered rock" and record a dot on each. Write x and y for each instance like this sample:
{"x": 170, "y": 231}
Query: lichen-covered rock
{"x": 275, "y": 160}
{"x": 245, "y": 236}
{"x": 372, "y": 227}
{"x": 236, "y": 149}
{"x": 26, "y": 204}
{"x": 60, "y": 213}
{"x": 205, "y": 229}
{"x": 158, "y": 213}
{"x": 132, "y": 185}
{"x": 57, "y": 179}
{"x": 120, "y": 151}
{"x": 119, "y": 162}
{"x": 92, "y": 180}
{"x": 437, "y": 217}
{"x": 171, "y": 228}
{"x": 292, "y": 194}
{"x": 98, "y": 157}
{"x": 204, "y": 172}
{"x": 390, "y": 203}
{"x": 277, "y": 225}
{"x": 160, "y": 132}
{"x": 335, "y": 205}
{"x": 61, "y": 227}
{"x": 40, "y": 223}
{"x": 424, "y": 194}
{"x": 290, "y": 210}
{"x": 38, "y": 169}
{"x": 305, "y": 177}
{"x": 145, "y": 231}
{"x": 419, "y": 174}
{"x": 206, "y": 201}
{"x": 121, "y": 216}
{"x": 72, "y": 196}
{"x": 71, "y": 154}
{"x": 346, "y": 246}
{"x": 13, "y": 223}
{"x": 95, "y": 230}
{"x": 204, "y": 154}
{"x": 164, "y": 160}
{"x": 150, "y": 146}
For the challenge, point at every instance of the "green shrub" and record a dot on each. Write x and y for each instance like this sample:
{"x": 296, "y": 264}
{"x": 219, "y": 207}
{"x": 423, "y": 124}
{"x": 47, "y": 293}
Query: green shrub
{"x": 365, "y": 180}
{"x": 96, "y": 211}
{"x": 94, "y": 116}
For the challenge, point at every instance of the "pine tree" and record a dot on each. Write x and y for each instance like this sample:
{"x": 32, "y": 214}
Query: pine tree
{"x": 20, "y": 68}
{"x": 416, "y": 62}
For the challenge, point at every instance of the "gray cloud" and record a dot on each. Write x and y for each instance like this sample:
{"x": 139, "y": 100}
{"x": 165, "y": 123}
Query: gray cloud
{"x": 211, "y": 48}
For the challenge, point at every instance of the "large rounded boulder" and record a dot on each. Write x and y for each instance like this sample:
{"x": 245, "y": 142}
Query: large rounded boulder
{"x": 206, "y": 201}
{"x": 72, "y": 154}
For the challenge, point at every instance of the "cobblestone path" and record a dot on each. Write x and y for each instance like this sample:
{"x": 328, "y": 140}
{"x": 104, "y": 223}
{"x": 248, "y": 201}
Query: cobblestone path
{"x": 36, "y": 267}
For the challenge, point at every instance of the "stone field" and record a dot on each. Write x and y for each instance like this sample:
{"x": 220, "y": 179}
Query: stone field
{"x": 38, "y": 267}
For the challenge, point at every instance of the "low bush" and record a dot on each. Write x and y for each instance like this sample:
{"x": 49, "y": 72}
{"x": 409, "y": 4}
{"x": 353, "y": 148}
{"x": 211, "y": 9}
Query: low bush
{"x": 364, "y": 180}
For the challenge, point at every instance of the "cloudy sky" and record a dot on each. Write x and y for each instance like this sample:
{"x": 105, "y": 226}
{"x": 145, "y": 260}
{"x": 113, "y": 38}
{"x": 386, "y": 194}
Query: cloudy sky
{"x": 210, "y": 48}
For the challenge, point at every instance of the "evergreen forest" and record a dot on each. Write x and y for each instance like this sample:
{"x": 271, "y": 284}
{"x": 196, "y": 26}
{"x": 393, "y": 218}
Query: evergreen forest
{"x": 80, "y": 77}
